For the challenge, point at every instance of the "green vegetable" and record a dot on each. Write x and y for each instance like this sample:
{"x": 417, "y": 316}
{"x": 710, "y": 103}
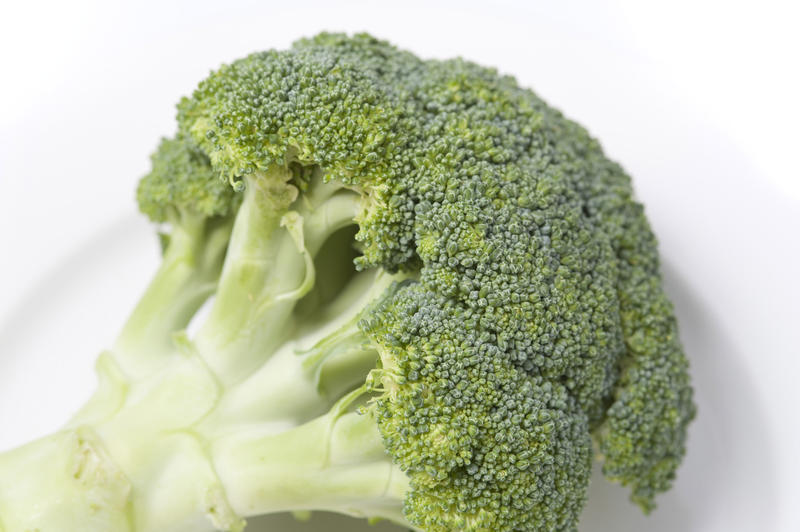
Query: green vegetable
{"x": 434, "y": 301}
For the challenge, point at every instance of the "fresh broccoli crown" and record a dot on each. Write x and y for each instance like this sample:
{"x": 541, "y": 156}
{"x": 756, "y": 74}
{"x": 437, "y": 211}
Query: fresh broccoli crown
{"x": 537, "y": 319}
{"x": 182, "y": 181}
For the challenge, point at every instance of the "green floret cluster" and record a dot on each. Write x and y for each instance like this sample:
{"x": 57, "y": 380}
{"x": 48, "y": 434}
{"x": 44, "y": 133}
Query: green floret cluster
{"x": 435, "y": 302}
{"x": 182, "y": 182}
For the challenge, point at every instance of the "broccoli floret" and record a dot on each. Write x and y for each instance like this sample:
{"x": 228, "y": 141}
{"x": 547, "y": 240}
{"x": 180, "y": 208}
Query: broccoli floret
{"x": 433, "y": 300}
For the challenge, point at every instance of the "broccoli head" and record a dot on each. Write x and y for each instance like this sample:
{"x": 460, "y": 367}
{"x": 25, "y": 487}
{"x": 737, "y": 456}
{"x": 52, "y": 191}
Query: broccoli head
{"x": 432, "y": 299}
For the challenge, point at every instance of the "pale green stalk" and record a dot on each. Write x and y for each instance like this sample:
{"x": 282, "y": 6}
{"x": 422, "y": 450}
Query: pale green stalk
{"x": 185, "y": 279}
{"x": 252, "y": 416}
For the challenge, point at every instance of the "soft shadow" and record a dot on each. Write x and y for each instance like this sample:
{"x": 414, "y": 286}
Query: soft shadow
{"x": 50, "y": 337}
{"x": 728, "y": 469}
{"x": 319, "y": 521}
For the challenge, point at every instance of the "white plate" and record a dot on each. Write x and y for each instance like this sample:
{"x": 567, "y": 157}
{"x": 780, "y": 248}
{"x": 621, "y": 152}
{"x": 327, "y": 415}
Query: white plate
{"x": 74, "y": 265}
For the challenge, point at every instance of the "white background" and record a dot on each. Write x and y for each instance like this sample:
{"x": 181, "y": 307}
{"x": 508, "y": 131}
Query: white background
{"x": 698, "y": 100}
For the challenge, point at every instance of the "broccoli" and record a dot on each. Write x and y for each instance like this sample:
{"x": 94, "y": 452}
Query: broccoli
{"x": 432, "y": 300}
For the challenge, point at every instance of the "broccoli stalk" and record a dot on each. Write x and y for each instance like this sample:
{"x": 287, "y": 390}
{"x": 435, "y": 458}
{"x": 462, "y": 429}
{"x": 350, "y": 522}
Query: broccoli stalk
{"x": 256, "y": 414}
{"x": 186, "y": 278}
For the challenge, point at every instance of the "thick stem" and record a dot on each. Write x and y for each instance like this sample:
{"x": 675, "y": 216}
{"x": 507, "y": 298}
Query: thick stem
{"x": 269, "y": 267}
{"x": 65, "y": 481}
{"x": 331, "y": 463}
{"x": 151, "y": 467}
{"x": 186, "y": 277}
{"x": 262, "y": 262}
{"x": 77, "y": 480}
